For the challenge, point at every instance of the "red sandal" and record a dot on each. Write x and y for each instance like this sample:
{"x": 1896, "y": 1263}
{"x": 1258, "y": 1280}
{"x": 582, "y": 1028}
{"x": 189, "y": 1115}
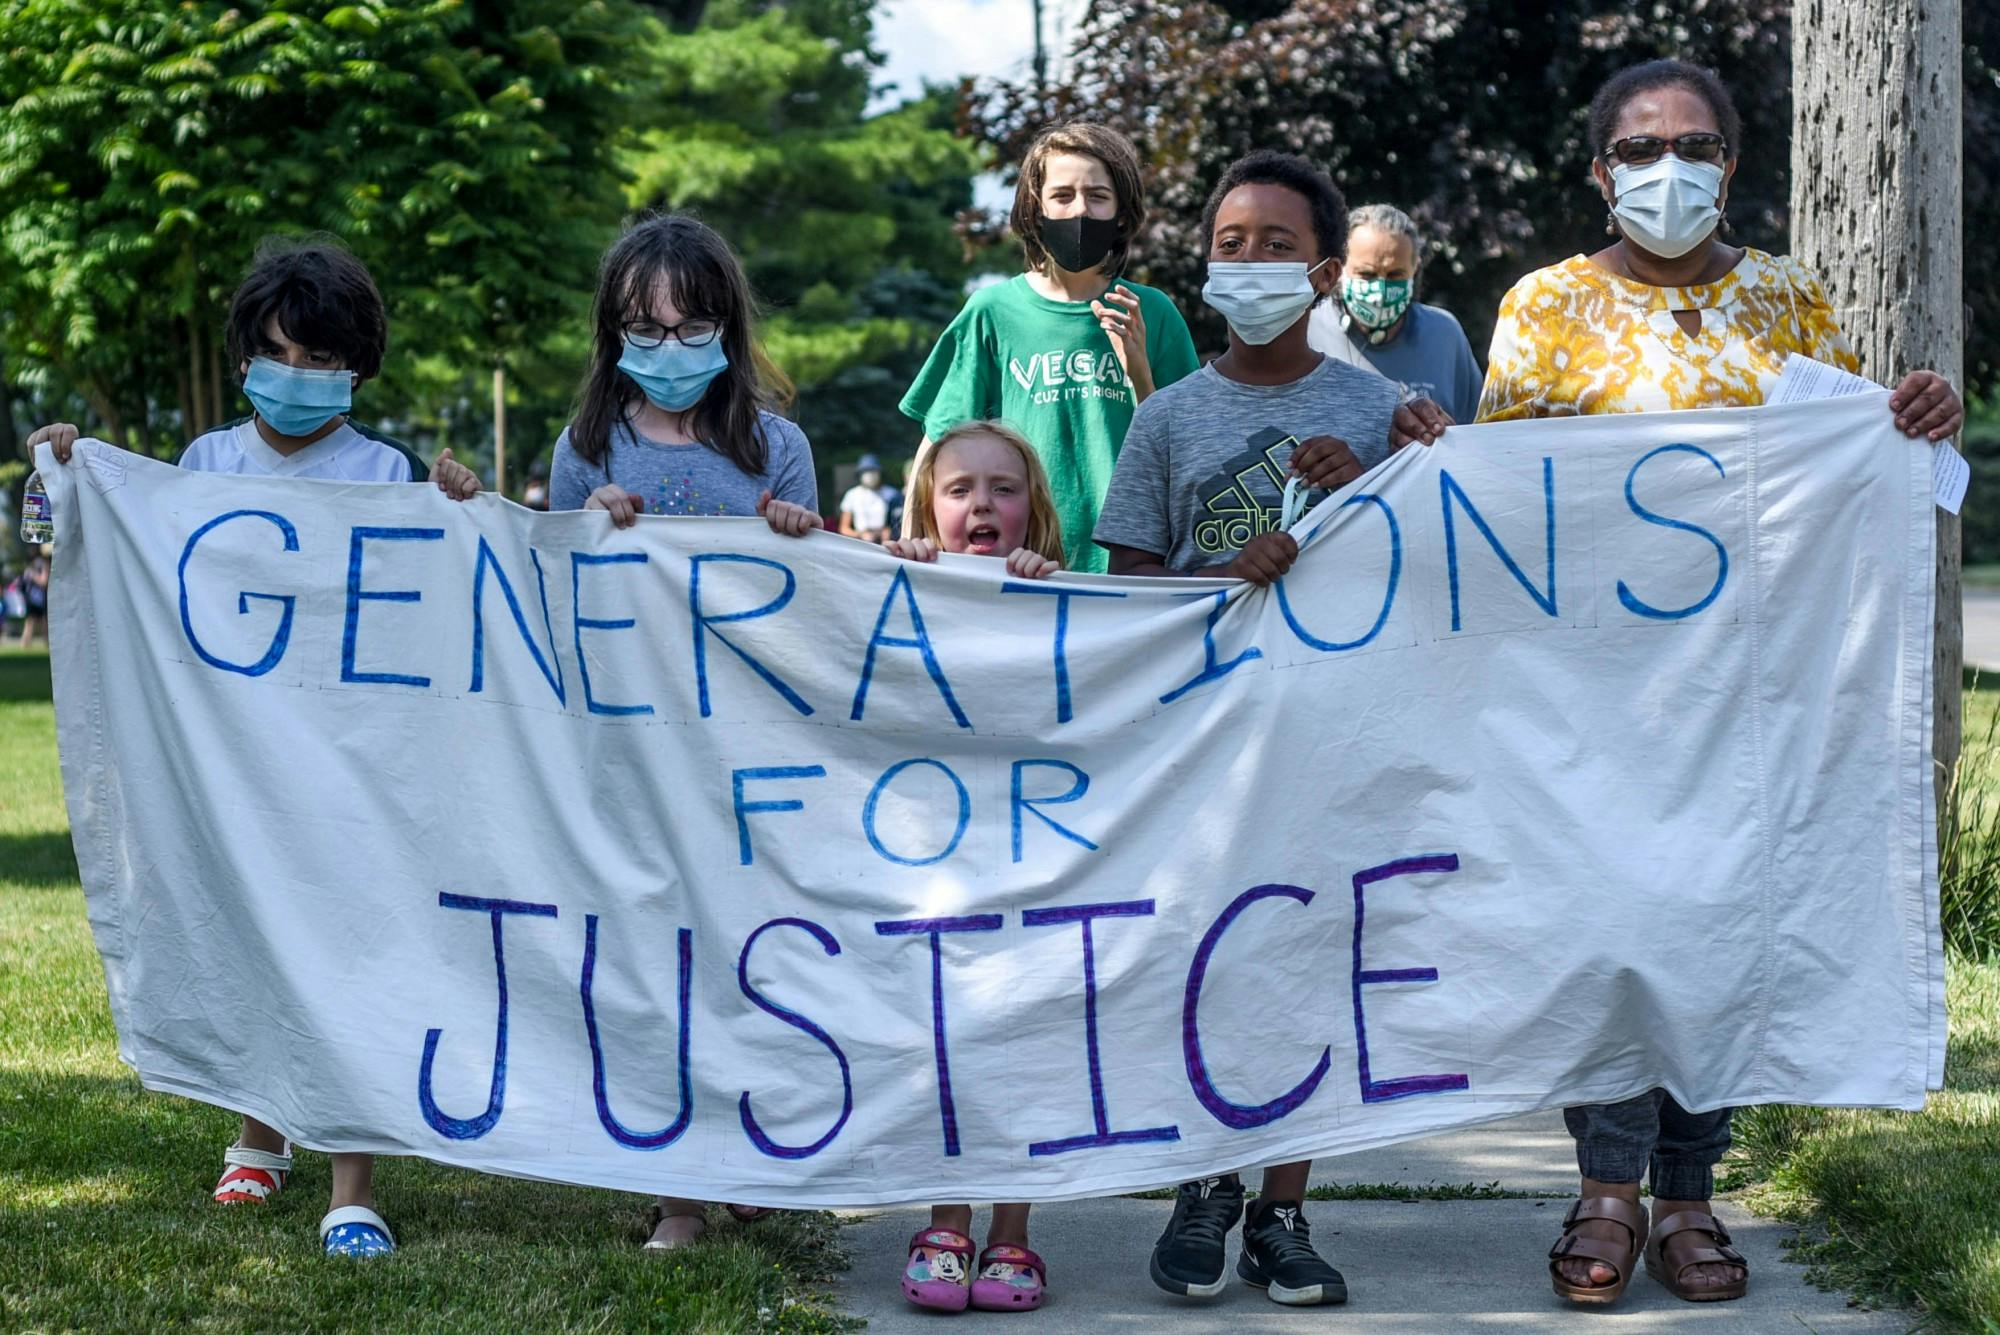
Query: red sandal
{"x": 252, "y": 1177}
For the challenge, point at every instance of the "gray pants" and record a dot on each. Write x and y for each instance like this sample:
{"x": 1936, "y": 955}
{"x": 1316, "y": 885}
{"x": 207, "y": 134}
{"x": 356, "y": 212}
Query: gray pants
{"x": 1617, "y": 1142}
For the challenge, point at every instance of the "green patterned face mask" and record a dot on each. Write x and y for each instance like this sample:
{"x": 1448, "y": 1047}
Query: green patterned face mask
{"x": 1376, "y": 303}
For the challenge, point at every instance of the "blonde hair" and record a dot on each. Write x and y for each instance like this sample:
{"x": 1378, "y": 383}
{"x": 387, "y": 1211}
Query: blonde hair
{"x": 1044, "y": 535}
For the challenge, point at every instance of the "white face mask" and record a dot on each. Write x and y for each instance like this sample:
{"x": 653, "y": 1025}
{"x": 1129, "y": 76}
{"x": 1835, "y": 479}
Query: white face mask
{"x": 1667, "y": 207}
{"x": 1260, "y": 301}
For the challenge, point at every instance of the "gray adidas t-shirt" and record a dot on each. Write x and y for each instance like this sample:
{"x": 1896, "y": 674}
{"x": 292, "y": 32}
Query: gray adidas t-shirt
{"x": 1203, "y": 468}
{"x": 688, "y": 479}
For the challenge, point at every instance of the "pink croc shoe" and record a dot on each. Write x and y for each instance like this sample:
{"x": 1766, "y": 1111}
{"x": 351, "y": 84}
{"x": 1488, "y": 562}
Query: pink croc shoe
{"x": 939, "y": 1273}
{"x": 1011, "y": 1279}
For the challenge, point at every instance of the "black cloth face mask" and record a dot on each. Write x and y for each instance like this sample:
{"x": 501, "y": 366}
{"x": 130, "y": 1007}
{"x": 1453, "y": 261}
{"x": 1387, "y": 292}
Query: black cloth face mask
{"x": 1079, "y": 244}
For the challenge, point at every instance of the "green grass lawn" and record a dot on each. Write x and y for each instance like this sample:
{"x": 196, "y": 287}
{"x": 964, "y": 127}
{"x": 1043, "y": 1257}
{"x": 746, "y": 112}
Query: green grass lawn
{"x": 105, "y": 1221}
{"x": 1901, "y": 1207}
{"x": 1905, "y": 1207}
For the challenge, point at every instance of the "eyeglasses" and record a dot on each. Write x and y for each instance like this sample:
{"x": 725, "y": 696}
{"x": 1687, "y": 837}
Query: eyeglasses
{"x": 688, "y": 333}
{"x": 1639, "y": 149}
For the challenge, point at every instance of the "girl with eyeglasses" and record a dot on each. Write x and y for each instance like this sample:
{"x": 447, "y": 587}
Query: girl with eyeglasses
{"x": 1668, "y": 316}
{"x": 678, "y": 414}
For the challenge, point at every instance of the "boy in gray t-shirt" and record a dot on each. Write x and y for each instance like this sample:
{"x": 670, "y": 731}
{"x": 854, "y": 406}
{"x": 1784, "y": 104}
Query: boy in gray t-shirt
{"x": 1200, "y": 481}
{"x": 1204, "y": 466}
{"x": 1198, "y": 490}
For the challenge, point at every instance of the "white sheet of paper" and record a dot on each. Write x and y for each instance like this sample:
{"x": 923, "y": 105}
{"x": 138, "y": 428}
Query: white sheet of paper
{"x": 1804, "y": 379}
{"x": 1950, "y": 475}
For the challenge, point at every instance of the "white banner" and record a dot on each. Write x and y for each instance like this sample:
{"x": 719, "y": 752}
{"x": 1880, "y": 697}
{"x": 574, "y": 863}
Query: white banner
{"x": 1572, "y": 759}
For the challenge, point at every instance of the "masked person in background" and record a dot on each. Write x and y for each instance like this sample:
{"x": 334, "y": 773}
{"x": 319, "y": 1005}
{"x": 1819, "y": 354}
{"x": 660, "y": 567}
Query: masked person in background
{"x": 1065, "y": 351}
{"x": 1379, "y": 325}
{"x": 1668, "y": 316}
{"x": 864, "y": 509}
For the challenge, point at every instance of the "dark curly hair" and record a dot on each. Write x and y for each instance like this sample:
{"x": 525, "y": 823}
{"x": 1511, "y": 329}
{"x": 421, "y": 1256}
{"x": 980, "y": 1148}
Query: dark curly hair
{"x": 1267, "y": 166}
{"x": 1622, "y": 87}
{"x": 324, "y": 300}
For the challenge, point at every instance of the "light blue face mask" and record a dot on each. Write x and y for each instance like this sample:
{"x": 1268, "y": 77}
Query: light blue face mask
{"x": 296, "y": 401}
{"x": 674, "y": 376}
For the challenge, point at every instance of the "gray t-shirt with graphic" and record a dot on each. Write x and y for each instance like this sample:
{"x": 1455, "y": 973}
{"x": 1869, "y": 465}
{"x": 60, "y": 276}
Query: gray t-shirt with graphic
{"x": 1203, "y": 469}
{"x": 688, "y": 479}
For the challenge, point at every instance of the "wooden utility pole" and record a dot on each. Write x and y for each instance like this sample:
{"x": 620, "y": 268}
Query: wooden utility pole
{"x": 500, "y": 428}
{"x": 1041, "y": 63}
{"x": 1877, "y": 117}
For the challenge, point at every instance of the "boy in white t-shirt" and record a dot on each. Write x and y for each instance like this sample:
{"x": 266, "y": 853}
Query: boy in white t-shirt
{"x": 306, "y": 327}
{"x": 864, "y": 510}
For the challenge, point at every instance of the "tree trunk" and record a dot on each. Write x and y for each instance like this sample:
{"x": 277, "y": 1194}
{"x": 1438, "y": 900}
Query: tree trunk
{"x": 211, "y": 378}
{"x": 10, "y": 439}
{"x": 98, "y": 396}
{"x": 189, "y": 377}
{"x": 1877, "y": 113}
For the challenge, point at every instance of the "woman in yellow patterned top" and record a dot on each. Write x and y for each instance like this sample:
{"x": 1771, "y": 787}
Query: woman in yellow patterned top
{"x": 1669, "y": 316}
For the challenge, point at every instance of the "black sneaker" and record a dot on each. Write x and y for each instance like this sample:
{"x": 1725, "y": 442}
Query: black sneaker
{"x": 1191, "y": 1257}
{"x": 1278, "y": 1257}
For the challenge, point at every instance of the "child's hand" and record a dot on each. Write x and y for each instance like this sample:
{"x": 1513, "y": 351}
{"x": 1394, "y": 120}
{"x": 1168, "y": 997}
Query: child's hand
{"x": 912, "y": 549}
{"x": 1265, "y": 558}
{"x": 1024, "y": 564}
{"x": 794, "y": 521}
{"x": 1418, "y": 422}
{"x": 1122, "y": 320}
{"x": 1326, "y": 463}
{"x": 453, "y": 478}
{"x": 624, "y": 506}
{"x": 1925, "y": 404}
{"x": 60, "y": 435}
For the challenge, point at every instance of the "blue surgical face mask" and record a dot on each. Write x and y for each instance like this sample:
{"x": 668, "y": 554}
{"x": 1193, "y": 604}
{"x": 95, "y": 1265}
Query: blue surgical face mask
{"x": 296, "y": 401}
{"x": 674, "y": 376}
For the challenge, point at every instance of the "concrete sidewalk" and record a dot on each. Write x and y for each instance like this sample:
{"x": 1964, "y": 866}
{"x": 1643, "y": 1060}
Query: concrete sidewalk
{"x": 1416, "y": 1266}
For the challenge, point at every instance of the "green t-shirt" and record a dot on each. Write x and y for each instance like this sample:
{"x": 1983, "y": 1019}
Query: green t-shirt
{"x": 1046, "y": 367}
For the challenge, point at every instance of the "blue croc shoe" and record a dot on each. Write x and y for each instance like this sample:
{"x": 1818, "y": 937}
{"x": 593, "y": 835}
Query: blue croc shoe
{"x": 355, "y": 1230}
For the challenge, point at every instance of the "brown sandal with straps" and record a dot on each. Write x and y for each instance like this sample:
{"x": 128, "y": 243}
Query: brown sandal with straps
{"x": 1574, "y": 1246}
{"x": 1672, "y": 1274}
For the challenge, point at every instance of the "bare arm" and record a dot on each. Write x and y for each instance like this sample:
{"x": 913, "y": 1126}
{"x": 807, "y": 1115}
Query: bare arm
{"x": 909, "y": 511}
{"x": 1263, "y": 560}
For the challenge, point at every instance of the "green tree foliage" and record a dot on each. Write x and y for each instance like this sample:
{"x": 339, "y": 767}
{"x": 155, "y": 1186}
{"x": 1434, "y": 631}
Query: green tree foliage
{"x": 844, "y": 220}
{"x": 1470, "y": 114}
{"x": 466, "y": 152}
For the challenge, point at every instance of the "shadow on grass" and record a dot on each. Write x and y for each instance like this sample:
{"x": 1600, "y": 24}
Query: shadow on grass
{"x": 44, "y": 858}
{"x": 24, "y": 676}
{"x": 105, "y": 1219}
{"x": 109, "y": 1222}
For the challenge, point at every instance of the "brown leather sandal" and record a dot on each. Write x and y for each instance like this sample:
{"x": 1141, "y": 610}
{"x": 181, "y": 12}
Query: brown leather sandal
{"x": 1672, "y": 1274}
{"x": 1574, "y": 1246}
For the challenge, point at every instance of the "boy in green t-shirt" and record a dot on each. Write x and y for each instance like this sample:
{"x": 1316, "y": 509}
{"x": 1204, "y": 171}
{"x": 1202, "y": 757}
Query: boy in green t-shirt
{"x": 1066, "y": 350}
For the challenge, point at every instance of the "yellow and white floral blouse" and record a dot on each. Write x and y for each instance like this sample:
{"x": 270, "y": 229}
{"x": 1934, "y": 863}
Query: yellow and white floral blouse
{"x": 1575, "y": 338}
